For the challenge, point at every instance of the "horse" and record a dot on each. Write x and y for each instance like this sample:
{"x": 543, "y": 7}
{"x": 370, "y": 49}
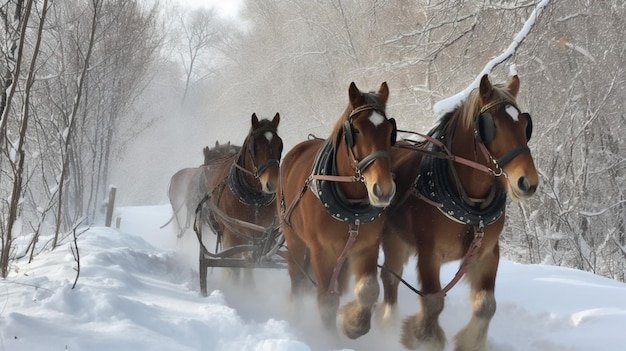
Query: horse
{"x": 452, "y": 192}
{"x": 241, "y": 190}
{"x": 219, "y": 152}
{"x": 186, "y": 187}
{"x": 331, "y": 198}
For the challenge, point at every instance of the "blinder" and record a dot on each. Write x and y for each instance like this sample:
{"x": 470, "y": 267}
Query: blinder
{"x": 272, "y": 162}
{"x": 529, "y": 125}
{"x": 485, "y": 127}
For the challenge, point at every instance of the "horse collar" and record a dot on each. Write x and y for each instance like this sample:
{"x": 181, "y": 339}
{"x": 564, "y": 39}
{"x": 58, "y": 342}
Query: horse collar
{"x": 434, "y": 184}
{"x": 246, "y": 195}
{"x": 331, "y": 196}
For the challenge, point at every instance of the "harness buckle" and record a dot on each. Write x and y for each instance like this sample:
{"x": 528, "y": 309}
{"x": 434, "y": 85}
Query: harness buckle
{"x": 353, "y": 228}
{"x": 479, "y": 230}
{"x": 496, "y": 170}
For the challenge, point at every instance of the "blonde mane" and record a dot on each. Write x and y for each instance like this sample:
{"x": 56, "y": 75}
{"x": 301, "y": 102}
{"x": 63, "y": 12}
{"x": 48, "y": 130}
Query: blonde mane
{"x": 370, "y": 98}
{"x": 465, "y": 114}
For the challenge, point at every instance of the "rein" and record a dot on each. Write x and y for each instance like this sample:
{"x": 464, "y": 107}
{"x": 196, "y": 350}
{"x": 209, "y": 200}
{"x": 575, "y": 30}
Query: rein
{"x": 463, "y": 267}
{"x": 447, "y": 154}
{"x": 229, "y": 222}
{"x": 478, "y": 228}
{"x": 258, "y": 170}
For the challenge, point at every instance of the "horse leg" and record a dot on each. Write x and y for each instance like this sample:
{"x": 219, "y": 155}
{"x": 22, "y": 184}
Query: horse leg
{"x": 176, "y": 209}
{"x": 190, "y": 212}
{"x": 358, "y": 313}
{"x": 482, "y": 276}
{"x": 232, "y": 274}
{"x": 183, "y": 228}
{"x": 396, "y": 253}
{"x": 297, "y": 264}
{"x": 323, "y": 262}
{"x": 422, "y": 330}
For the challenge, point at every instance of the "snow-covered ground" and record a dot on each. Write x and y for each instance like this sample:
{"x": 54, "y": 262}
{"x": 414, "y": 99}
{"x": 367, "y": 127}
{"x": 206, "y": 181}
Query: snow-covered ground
{"x": 138, "y": 290}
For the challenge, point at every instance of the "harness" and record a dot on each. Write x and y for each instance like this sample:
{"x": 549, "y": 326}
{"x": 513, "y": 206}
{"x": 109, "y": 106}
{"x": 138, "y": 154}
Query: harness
{"x": 245, "y": 194}
{"x": 327, "y": 190}
{"x": 323, "y": 183}
{"x": 433, "y": 184}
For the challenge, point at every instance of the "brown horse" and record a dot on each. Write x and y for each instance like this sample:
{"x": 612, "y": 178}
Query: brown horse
{"x": 451, "y": 200}
{"x": 242, "y": 188}
{"x": 187, "y": 186}
{"x": 219, "y": 152}
{"x": 326, "y": 220}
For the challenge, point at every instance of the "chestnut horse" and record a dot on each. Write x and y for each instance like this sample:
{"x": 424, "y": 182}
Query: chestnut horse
{"x": 187, "y": 186}
{"x": 451, "y": 200}
{"x": 242, "y": 189}
{"x": 332, "y": 195}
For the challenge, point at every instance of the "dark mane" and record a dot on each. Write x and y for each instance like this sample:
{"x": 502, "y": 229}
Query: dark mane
{"x": 263, "y": 126}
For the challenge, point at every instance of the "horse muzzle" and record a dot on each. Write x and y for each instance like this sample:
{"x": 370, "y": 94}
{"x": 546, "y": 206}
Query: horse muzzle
{"x": 521, "y": 188}
{"x": 380, "y": 197}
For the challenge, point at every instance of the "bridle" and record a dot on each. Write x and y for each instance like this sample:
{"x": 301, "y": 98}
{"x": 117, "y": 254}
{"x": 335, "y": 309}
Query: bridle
{"x": 270, "y": 162}
{"x": 510, "y": 155}
{"x": 359, "y": 166}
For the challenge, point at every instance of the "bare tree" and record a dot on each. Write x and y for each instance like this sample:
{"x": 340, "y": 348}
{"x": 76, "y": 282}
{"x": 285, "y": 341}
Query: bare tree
{"x": 573, "y": 61}
{"x": 200, "y": 35}
{"x": 73, "y": 80}
{"x": 14, "y": 148}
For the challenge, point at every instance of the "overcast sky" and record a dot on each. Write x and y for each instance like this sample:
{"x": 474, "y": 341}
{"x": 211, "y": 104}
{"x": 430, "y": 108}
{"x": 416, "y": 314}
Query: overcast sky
{"x": 227, "y": 8}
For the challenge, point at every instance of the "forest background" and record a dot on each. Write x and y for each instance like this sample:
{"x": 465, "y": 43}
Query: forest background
{"x": 125, "y": 92}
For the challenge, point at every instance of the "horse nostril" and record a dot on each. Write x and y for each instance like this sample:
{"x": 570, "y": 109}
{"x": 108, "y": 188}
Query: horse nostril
{"x": 524, "y": 185}
{"x": 377, "y": 191}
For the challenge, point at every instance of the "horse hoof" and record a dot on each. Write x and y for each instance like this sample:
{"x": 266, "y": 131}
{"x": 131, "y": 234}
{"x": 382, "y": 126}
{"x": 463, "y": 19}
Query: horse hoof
{"x": 386, "y": 316}
{"x": 416, "y": 336}
{"x": 356, "y": 320}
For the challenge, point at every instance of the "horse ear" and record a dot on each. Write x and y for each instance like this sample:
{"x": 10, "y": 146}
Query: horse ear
{"x": 383, "y": 91}
{"x": 255, "y": 119}
{"x": 356, "y": 98}
{"x": 485, "y": 89}
{"x": 514, "y": 85}
{"x": 217, "y": 143}
{"x": 276, "y": 120}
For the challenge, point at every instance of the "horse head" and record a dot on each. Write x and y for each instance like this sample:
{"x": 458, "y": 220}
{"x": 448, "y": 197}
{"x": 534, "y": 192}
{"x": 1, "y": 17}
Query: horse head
{"x": 505, "y": 131}
{"x": 368, "y": 136}
{"x": 264, "y": 149}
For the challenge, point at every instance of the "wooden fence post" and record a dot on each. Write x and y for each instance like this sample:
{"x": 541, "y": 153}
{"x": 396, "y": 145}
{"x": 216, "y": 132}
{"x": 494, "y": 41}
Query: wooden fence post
{"x": 110, "y": 205}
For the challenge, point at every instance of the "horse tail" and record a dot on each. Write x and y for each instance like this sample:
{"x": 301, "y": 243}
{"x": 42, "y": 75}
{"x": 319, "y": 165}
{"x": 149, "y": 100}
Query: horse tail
{"x": 174, "y": 215}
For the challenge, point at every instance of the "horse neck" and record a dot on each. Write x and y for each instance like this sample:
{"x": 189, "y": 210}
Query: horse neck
{"x": 476, "y": 183}
{"x": 247, "y": 163}
{"x": 345, "y": 164}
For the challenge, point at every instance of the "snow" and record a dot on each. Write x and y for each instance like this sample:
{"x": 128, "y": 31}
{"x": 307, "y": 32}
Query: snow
{"x": 138, "y": 290}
